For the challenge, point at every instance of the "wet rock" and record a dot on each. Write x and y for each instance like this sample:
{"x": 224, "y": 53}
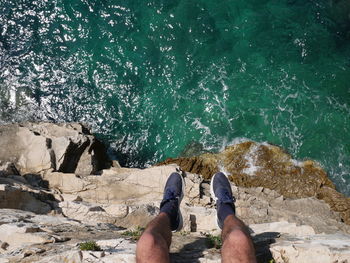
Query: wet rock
{"x": 193, "y": 149}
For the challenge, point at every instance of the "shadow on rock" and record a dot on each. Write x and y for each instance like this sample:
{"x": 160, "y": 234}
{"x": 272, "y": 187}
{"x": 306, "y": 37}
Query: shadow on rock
{"x": 262, "y": 244}
{"x": 190, "y": 252}
{"x": 28, "y": 193}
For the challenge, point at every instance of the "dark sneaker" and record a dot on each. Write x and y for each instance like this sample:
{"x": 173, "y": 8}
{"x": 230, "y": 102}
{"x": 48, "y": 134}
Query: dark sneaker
{"x": 173, "y": 194}
{"x": 221, "y": 192}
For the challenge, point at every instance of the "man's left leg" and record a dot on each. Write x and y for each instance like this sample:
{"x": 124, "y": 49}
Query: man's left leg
{"x": 154, "y": 243}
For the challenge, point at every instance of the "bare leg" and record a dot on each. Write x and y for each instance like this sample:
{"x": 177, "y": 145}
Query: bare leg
{"x": 237, "y": 243}
{"x": 154, "y": 243}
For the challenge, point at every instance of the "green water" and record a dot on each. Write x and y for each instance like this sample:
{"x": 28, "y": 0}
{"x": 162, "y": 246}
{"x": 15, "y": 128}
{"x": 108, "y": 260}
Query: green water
{"x": 150, "y": 77}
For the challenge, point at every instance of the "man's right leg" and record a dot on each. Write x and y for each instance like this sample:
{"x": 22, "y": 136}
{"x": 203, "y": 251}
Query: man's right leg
{"x": 237, "y": 244}
{"x": 153, "y": 245}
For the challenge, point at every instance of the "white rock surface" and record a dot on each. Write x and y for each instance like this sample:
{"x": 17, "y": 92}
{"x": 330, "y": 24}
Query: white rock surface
{"x": 87, "y": 206}
{"x": 38, "y": 147}
{"x": 315, "y": 248}
{"x": 283, "y": 227}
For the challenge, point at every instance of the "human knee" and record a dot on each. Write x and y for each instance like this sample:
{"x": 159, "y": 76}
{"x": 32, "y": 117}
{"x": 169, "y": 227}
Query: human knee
{"x": 147, "y": 240}
{"x": 150, "y": 240}
{"x": 237, "y": 237}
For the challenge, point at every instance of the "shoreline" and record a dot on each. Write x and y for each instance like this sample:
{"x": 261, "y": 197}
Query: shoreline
{"x": 58, "y": 188}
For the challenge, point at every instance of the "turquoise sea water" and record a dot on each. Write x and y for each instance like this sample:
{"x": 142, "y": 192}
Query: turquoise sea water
{"x": 152, "y": 77}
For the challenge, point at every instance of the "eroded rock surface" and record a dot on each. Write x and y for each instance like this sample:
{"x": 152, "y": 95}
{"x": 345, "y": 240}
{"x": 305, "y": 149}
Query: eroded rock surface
{"x": 55, "y": 207}
{"x": 28, "y": 237}
{"x": 37, "y": 147}
{"x": 251, "y": 164}
{"x": 17, "y": 193}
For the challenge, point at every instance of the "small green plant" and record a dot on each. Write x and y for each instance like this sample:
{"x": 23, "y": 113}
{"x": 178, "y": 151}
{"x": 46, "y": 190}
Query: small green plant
{"x": 134, "y": 234}
{"x": 214, "y": 241}
{"x": 184, "y": 233}
{"x": 89, "y": 245}
{"x": 272, "y": 260}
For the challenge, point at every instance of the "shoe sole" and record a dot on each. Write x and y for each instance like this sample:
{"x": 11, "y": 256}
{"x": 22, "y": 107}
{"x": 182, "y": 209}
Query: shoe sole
{"x": 179, "y": 211}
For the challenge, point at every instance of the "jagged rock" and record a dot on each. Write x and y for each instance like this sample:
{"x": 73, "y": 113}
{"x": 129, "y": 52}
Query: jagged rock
{"x": 138, "y": 194}
{"x": 134, "y": 186}
{"x": 17, "y": 235}
{"x": 260, "y": 205}
{"x": 37, "y": 147}
{"x": 283, "y": 240}
{"x": 126, "y": 197}
{"x": 16, "y": 193}
{"x": 291, "y": 227}
{"x": 251, "y": 164}
{"x": 317, "y": 249}
{"x": 86, "y": 212}
{"x": 199, "y": 219}
{"x": 116, "y": 250}
{"x": 8, "y": 169}
{"x": 127, "y": 216}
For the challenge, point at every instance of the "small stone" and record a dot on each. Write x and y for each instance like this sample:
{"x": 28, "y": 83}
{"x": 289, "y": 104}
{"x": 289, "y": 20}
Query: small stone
{"x": 4, "y": 245}
{"x": 33, "y": 251}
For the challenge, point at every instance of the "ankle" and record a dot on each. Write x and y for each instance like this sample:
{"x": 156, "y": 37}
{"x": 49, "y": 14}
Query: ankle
{"x": 171, "y": 209}
{"x": 224, "y": 210}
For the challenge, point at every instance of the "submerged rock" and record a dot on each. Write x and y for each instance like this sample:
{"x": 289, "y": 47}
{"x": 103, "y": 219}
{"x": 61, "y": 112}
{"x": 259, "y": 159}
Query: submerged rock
{"x": 193, "y": 148}
{"x": 251, "y": 164}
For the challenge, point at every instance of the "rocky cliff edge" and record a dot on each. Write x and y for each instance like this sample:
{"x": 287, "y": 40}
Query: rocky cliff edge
{"x": 58, "y": 189}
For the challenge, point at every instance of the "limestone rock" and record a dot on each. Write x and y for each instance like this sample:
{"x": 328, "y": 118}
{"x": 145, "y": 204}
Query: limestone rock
{"x": 252, "y": 164}
{"x": 133, "y": 186}
{"x": 199, "y": 219}
{"x": 283, "y": 227}
{"x": 14, "y": 193}
{"x": 20, "y": 230}
{"x": 317, "y": 248}
{"x": 8, "y": 169}
{"x": 288, "y": 223}
{"x": 261, "y": 205}
{"x": 137, "y": 191}
{"x": 37, "y": 147}
{"x": 100, "y": 213}
{"x": 117, "y": 250}
{"x": 17, "y": 235}
{"x": 86, "y": 212}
